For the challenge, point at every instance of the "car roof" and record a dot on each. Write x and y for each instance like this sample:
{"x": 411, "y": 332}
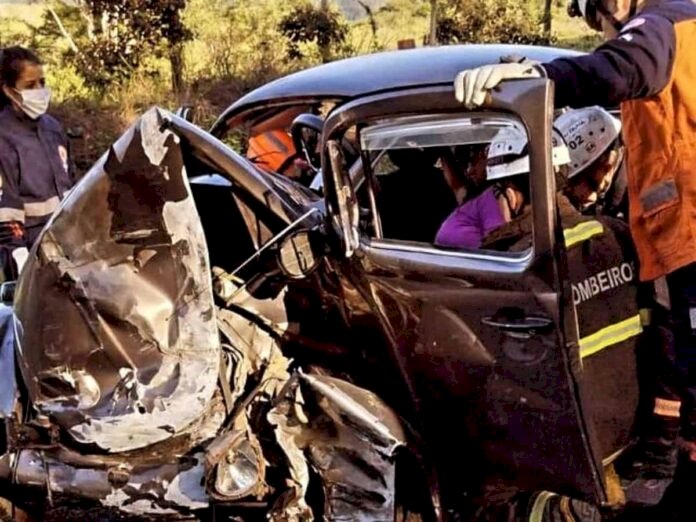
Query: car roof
{"x": 379, "y": 72}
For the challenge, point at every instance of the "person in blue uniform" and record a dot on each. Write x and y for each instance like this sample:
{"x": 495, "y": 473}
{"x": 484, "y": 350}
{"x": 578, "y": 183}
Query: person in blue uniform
{"x": 35, "y": 167}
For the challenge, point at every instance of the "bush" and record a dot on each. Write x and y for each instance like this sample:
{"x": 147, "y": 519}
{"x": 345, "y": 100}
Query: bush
{"x": 235, "y": 40}
{"x": 310, "y": 25}
{"x": 491, "y": 21}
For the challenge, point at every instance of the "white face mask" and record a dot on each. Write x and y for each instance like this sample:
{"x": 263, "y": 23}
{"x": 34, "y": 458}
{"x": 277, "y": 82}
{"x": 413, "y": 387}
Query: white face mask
{"x": 35, "y": 101}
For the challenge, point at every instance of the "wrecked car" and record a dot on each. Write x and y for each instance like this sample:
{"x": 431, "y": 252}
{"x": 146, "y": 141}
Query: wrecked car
{"x": 193, "y": 336}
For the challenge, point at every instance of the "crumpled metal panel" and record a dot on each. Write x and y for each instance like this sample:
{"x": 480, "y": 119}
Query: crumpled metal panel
{"x": 167, "y": 479}
{"x": 162, "y": 489}
{"x": 350, "y": 437}
{"x": 8, "y": 390}
{"x": 346, "y": 434}
{"x": 118, "y": 332}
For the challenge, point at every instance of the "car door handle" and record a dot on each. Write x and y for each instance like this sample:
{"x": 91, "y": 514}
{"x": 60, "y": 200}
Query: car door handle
{"x": 518, "y": 324}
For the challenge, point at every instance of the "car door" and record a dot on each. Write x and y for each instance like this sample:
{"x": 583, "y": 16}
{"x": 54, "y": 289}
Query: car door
{"x": 486, "y": 341}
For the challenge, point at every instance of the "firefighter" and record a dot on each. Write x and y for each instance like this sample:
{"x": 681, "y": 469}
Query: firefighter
{"x": 597, "y": 249}
{"x": 596, "y": 154}
{"x": 272, "y": 150}
{"x": 507, "y": 167}
{"x": 646, "y": 66}
{"x": 35, "y": 167}
{"x": 596, "y": 179}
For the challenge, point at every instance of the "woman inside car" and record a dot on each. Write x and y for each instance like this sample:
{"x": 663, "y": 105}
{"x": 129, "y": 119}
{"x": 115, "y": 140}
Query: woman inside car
{"x": 507, "y": 169}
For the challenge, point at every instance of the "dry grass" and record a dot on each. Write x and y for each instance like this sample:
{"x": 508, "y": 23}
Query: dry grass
{"x": 573, "y": 33}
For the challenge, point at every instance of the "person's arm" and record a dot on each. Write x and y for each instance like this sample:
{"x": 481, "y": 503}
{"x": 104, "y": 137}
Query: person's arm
{"x": 11, "y": 204}
{"x": 72, "y": 172}
{"x": 638, "y": 63}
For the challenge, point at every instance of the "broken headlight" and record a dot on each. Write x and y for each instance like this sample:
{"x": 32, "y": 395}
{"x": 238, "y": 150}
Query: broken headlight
{"x": 240, "y": 472}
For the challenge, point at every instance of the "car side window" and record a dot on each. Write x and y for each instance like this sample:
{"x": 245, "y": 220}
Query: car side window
{"x": 452, "y": 183}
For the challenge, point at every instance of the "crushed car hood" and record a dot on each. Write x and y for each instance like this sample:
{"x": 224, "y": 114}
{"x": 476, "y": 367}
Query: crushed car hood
{"x": 116, "y": 326}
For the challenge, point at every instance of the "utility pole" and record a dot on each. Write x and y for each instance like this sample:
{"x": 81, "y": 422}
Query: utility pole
{"x": 432, "y": 39}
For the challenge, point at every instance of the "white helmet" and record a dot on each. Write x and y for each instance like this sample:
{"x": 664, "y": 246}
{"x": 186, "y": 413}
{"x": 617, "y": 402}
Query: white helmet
{"x": 508, "y": 156}
{"x": 589, "y": 132}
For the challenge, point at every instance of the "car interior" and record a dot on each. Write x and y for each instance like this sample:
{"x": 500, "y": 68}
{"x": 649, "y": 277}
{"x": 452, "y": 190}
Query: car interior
{"x": 410, "y": 174}
{"x": 420, "y": 171}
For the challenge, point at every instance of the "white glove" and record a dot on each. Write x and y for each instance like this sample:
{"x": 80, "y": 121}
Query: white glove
{"x": 471, "y": 86}
{"x": 20, "y": 256}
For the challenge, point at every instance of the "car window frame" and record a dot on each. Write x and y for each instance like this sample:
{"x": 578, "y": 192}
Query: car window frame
{"x": 520, "y": 100}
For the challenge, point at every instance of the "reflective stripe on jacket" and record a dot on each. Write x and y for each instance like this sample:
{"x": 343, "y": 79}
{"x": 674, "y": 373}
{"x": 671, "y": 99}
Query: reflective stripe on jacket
{"x": 35, "y": 169}
{"x": 649, "y": 69}
{"x": 600, "y": 267}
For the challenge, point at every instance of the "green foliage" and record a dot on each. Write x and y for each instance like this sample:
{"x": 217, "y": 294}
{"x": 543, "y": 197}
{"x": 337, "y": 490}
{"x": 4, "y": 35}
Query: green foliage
{"x": 125, "y": 48}
{"x": 15, "y": 32}
{"x": 307, "y": 24}
{"x": 395, "y": 20}
{"x": 238, "y": 39}
{"x": 490, "y": 21}
{"x": 67, "y": 83}
{"x": 573, "y": 33}
{"x": 108, "y": 41}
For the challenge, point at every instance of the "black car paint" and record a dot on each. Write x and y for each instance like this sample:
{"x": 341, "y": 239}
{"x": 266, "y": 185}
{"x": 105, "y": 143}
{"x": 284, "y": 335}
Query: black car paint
{"x": 344, "y": 80}
{"x": 515, "y": 420}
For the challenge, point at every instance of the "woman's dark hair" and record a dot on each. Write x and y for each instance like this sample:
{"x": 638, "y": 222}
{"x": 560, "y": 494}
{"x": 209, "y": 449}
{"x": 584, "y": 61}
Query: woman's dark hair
{"x": 12, "y": 61}
{"x": 519, "y": 182}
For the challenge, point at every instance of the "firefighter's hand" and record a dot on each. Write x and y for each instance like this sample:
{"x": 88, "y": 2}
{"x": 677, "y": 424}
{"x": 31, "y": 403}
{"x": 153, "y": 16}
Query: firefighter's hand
{"x": 472, "y": 86}
{"x": 20, "y": 256}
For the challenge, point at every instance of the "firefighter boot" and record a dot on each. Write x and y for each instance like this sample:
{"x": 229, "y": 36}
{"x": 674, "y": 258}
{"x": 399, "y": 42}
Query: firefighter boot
{"x": 677, "y": 504}
{"x": 647, "y": 468}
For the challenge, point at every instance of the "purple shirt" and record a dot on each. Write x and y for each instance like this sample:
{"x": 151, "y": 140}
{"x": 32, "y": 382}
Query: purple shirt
{"x": 470, "y": 222}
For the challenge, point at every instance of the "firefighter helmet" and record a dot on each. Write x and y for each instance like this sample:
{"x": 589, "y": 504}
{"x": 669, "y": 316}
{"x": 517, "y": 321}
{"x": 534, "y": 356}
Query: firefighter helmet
{"x": 508, "y": 153}
{"x": 588, "y": 133}
{"x": 591, "y": 10}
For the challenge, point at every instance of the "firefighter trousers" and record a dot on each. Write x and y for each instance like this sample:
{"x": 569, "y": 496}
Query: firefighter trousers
{"x": 682, "y": 290}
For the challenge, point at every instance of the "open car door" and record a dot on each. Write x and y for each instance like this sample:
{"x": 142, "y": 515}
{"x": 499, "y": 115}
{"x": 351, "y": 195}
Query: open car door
{"x": 486, "y": 340}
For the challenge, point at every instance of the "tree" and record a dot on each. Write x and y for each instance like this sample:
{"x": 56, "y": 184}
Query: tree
{"x": 432, "y": 39}
{"x": 548, "y": 15}
{"x": 307, "y": 24}
{"x": 108, "y": 40}
{"x": 490, "y": 21}
{"x": 374, "y": 28}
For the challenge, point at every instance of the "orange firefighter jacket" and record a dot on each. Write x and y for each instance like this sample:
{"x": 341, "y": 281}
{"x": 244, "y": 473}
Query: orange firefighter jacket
{"x": 649, "y": 69}
{"x": 272, "y": 150}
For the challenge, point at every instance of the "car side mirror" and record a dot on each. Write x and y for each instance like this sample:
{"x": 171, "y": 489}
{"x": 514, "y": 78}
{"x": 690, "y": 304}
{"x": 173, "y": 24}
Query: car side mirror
{"x": 299, "y": 254}
{"x": 306, "y": 133}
